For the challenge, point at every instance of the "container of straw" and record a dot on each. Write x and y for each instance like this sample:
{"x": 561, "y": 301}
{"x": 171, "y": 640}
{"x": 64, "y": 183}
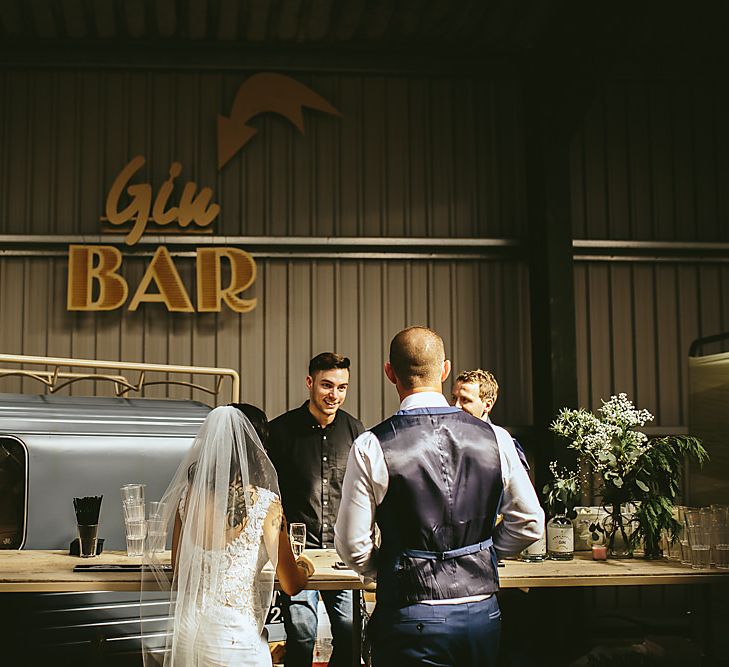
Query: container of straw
{"x": 87, "y": 518}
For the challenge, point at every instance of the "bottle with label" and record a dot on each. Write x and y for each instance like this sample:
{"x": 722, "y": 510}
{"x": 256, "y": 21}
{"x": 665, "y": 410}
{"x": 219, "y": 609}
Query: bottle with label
{"x": 560, "y": 538}
{"x": 535, "y": 552}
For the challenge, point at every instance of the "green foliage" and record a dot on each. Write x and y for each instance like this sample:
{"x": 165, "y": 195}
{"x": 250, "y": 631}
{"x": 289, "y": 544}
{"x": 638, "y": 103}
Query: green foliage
{"x": 659, "y": 487}
{"x": 563, "y": 492}
{"x": 633, "y": 468}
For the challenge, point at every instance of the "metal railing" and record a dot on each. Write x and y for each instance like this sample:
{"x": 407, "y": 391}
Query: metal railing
{"x": 56, "y": 379}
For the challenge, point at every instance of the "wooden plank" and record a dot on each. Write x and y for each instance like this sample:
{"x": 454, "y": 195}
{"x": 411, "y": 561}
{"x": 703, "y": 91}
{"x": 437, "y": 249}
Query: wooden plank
{"x": 228, "y": 20}
{"x": 351, "y": 139}
{"x": 12, "y": 306}
{"x": 639, "y": 161}
{"x": 418, "y": 157}
{"x": 197, "y": 11}
{"x": 252, "y": 343}
{"x": 299, "y": 326}
{"x": 661, "y": 147}
{"x": 28, "y": 570}
{"x": 374, "y": 201}
{"x": 275, "y": 330}
{"x": 321, "y": 185}
{"x": 669, "y": 352}
{"x": 372, "y": 346}
{"x": 599, "y": 327}
{"x": 646, "y": 329}
{"x": 464, "y": 160}
{"x": 617, "y": 201}
{"x": 703, "y": 113}
{"x": 397, "y": 295}
{"x": 396, "y": 165}
{"x": 441, "y": 182}
{"x": 18, "y": 151}
{"x": 323, "y": 306}
{"x": 43, "y": 20}
{"x": 179, "y": 335}
{"x": 684, "y": 151}
{"x": 688, "y": 323}
{"x": 289, "y": 16}
{"x": 596, "y": 225}
{"x": 622, "y": 329}
{"x": 347, "y": 339}
{"x": 74, "y": 19}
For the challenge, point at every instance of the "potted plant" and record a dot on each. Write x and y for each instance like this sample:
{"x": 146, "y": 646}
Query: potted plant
{"x": 640, "y": 476}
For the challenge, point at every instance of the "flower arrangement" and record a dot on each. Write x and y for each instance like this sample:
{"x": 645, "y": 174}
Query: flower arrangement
{"x": 633, "y": 469}
{"x": 563, "y": 492}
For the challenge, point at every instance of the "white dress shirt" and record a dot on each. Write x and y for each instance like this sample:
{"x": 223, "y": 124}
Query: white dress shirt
{"x": 365, "y": 485}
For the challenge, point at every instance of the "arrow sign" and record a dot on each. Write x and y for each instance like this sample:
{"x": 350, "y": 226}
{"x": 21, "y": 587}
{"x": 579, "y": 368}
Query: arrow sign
{"x": 262, "y": 93}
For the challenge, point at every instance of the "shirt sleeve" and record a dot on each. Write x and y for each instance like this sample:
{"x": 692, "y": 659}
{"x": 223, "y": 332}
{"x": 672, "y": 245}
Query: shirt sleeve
{"x": 363, "y": 489}
{"x": 523, "y": 517}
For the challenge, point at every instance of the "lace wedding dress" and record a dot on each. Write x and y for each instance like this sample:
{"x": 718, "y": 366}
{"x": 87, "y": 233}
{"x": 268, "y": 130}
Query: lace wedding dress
{"x": 222, "y": 628}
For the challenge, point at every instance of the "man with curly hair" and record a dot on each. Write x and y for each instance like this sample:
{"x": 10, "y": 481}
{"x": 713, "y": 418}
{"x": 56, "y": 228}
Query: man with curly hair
{"x": 476, "y": 392}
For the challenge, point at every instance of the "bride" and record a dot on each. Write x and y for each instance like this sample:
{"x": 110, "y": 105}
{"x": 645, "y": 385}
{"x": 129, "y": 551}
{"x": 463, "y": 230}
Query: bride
{"x": 228, "y": 541}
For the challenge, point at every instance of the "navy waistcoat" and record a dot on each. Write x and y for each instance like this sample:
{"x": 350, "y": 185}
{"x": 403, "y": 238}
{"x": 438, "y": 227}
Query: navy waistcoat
{"x": 437, "y": 517}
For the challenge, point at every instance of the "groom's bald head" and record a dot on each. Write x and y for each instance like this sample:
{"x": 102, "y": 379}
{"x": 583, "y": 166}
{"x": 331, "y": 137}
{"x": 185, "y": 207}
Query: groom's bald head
{"x": 417, "y": 355}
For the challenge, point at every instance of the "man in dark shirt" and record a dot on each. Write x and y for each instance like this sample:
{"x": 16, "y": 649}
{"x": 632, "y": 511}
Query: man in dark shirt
{"x": 309, "y": 447}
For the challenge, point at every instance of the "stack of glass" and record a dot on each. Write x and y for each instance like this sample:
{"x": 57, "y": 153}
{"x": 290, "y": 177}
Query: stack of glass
{"x": 134, "y": 521}
{"x": 703, "y": 536}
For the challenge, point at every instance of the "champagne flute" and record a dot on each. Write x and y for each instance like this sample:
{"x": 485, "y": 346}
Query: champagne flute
{"x": 297, "y": 535}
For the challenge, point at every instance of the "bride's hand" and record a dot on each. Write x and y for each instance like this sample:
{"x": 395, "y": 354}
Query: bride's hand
{"x": 305, "y": 564}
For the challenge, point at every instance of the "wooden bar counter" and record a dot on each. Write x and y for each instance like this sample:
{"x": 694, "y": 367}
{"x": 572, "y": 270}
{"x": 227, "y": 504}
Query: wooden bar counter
{"x": 52, "y": 571}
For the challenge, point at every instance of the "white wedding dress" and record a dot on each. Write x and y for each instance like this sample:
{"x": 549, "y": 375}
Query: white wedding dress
{"x": 221, "y": 629}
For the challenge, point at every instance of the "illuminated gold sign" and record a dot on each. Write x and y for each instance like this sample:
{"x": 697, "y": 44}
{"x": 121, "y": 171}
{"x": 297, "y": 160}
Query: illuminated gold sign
{"x": 95, "y": 282}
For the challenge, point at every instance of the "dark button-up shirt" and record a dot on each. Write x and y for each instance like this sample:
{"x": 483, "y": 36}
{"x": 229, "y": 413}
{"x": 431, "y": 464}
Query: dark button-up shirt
{"x": 310, "y": 461}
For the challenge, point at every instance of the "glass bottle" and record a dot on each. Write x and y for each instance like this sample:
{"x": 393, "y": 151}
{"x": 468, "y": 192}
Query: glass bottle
{"x": 560, "y": 538}
{"x": 535, "y": 552}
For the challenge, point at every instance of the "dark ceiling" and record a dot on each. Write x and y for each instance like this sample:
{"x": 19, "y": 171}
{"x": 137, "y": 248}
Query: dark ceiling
{"x": 511, "y": 29}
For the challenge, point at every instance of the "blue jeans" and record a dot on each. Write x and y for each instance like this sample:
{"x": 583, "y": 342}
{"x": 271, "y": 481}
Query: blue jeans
{"x": 300, "y": 622}
{"x": 453, "y": 635}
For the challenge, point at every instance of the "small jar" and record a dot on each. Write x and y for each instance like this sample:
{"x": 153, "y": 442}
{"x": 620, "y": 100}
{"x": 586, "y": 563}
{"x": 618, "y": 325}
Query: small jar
{"x": 535, "y": 552}
{"x": 560, "y": 538}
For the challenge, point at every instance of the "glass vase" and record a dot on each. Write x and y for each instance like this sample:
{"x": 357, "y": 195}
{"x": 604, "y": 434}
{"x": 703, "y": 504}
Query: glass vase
{"x": 618, "y": 526}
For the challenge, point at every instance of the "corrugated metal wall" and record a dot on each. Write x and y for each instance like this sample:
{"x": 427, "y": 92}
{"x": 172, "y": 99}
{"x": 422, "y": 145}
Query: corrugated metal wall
{"x": 409, "y": 157}
{"x": 650, "y": 163}
{"x": 635, "y": 323}
{"x": 305, "y": 307}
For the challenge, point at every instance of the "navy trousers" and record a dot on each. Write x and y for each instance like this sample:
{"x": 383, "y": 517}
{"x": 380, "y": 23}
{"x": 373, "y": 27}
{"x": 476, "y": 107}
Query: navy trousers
{"x": 444, "y": 635}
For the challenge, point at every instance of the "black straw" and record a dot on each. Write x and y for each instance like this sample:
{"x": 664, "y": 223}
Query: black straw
{"x": 87, "y": 510}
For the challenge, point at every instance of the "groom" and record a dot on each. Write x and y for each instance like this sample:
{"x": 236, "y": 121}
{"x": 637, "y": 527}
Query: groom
{"x": 309, "y": 447}
{"x": 433, "y": 478}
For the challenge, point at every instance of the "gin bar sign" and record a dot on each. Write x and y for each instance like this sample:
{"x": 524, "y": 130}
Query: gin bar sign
{"x": 91, "y": 266}
{"x": 95, "y": 279}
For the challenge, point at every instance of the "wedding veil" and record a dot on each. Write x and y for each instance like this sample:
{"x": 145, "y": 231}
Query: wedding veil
{"x": 221, "y": 478}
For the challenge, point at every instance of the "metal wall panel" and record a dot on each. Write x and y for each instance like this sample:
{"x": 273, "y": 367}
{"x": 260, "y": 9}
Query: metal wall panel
{"x": 410, "y": 156}
{"x": 650, "y": 162}
{"x": 635, "y": 322}
{"x": 480, "y": 307}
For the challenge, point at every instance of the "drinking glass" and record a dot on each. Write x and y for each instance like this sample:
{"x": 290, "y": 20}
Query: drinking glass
{"x": 698, "y": 522}
{"x": 133, "y": 510}
{"x": 297, "y": 535}
{"x": 156, "y": 534}
{"x": 720, "y": 535}
{"x": 131, "y": 492}
{"x": 136, "y": 531}
{"x": 88, "y": 539}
